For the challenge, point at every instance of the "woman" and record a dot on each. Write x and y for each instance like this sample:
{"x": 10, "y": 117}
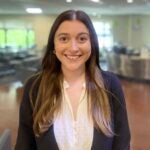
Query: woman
{"x": 72, "y": 104}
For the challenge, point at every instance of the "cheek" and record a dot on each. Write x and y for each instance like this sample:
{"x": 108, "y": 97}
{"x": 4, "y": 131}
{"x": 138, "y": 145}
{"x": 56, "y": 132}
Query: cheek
{"x": 89, "y": 54}
{"x": 57, "y": 44}
{"x": 57, "y": 48}
{"x": 88, "y": 49}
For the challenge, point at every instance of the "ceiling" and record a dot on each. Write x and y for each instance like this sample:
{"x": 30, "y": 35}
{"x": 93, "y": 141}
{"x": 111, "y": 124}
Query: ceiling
{"x": 107, "y": 7}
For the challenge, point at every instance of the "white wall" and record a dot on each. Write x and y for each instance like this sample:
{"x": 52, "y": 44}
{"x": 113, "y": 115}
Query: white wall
{"x": 132, "y": 30}
{"x": 40, "y": 24}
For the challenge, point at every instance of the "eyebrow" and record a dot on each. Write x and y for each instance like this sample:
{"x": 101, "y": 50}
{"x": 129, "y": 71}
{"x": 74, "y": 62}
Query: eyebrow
{"x": 82, "y": 33}
{"x": 60, "y": 34}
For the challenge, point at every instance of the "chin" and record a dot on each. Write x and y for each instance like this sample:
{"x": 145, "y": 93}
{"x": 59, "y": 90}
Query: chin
{"x": 75, "y": 68}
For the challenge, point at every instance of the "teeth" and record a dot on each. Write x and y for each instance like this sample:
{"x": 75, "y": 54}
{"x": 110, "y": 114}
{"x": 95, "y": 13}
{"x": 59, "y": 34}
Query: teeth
{"x": 72, "y": 57}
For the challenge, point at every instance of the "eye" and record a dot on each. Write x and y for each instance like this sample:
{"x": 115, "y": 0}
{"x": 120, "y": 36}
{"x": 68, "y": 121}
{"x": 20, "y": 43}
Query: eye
{"x": 63, "y": 39}
{"x": 83, "y": 38}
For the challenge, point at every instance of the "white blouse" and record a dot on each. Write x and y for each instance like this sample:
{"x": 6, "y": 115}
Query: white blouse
{"x": 73, "y": 134}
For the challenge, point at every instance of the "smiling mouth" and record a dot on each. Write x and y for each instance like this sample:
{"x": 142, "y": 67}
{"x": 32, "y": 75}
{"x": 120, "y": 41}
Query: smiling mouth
{"x": 73, "y": 57}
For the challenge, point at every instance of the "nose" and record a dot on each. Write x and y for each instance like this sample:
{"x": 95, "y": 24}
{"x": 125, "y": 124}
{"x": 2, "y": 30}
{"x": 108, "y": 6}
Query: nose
{"x": 74, "y": 46}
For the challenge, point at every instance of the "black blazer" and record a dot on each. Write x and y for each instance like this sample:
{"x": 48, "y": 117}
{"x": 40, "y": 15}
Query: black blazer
{"x": 26, "y": 139}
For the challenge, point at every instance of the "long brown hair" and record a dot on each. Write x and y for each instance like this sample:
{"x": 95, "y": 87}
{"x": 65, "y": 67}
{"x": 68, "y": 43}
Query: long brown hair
{"x": 49, "y": 95}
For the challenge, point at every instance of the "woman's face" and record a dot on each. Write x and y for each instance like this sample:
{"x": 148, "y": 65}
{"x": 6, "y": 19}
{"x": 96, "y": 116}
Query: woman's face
{"x": 72, "y": 45}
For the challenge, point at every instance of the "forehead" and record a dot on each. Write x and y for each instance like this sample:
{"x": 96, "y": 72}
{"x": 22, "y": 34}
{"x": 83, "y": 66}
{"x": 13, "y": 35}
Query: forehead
{"x": 72, "y": 26}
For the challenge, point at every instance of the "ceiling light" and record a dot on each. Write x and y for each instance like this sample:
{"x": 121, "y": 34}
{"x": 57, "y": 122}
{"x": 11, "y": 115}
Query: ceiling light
{"x": 34, "y": 10}
{"x": 130, "y": 1}
{"x": 95, "y": 1}
{"x": 68, "y": 1}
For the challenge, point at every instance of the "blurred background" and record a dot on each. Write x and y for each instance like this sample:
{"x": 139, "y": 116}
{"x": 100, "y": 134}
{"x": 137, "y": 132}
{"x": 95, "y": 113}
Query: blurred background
{"x": 123, "y": 30}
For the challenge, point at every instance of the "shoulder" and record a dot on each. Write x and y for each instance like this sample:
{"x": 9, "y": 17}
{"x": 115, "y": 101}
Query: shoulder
{"x": 107, "y": 75}
{"x": 32, "y": 80}
{"x": 114, "y": 86}
{"x": 26, "y": 106}
{"x": 32, "y": 84}
{"x": 111, "y": 80}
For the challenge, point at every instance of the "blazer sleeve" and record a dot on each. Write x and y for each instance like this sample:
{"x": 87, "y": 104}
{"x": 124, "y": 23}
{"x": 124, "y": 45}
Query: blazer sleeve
{"x": 26, "y": 138}
{"x": 121, "y": 140}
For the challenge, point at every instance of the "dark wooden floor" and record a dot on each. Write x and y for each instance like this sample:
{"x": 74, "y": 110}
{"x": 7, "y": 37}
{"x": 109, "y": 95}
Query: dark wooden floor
{"x": 138, "y": 106}
{"x": 137, "y": 100}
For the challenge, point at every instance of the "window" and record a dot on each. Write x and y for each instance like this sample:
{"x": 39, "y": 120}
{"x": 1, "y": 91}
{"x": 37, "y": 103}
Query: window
{"x": 105, "y": 38}
{"x": 13, "y": 40}
{"x": 104, "y": 33}
{"x": 31, "y": 38}
{"x": 16, "y": 39}
{"x": 2, "y": 38}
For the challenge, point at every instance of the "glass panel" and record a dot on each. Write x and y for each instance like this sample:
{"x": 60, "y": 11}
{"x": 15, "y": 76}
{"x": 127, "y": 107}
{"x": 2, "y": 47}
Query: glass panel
{"x": 2, "y": 39}
{"x": 16, "y": 39}
{"x": 104, "y": 34}
{"x": 31, "y": 39}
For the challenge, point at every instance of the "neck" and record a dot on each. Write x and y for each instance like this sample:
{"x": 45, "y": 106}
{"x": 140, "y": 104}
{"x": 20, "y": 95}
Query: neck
{"x": 74, "y": 76}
